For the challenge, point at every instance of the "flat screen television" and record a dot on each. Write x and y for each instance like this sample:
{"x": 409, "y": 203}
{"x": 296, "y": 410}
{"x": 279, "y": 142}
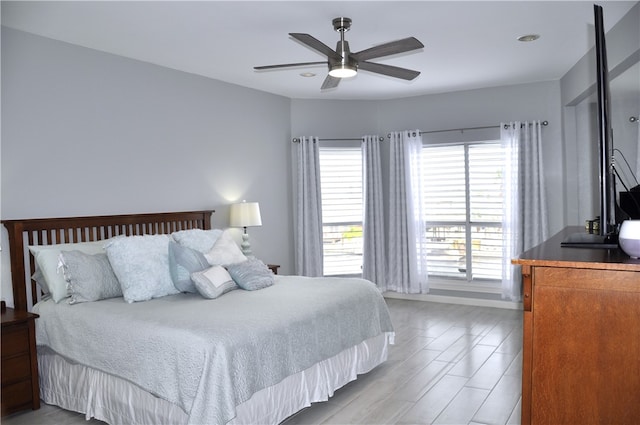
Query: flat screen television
{"x": 607, "y": 237}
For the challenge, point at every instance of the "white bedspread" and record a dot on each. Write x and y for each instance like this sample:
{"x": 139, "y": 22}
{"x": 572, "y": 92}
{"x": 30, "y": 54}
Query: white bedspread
{"x": 207, "y": 356}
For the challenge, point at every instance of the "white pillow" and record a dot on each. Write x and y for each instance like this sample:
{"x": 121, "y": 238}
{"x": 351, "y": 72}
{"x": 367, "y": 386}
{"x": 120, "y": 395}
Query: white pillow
{"x": 47, "y": 263}
{"x": 198, "y": 239}
{"x": 225, "y": 251}
{"x": 141, "y": 264}
{"x": 213, "y": 282}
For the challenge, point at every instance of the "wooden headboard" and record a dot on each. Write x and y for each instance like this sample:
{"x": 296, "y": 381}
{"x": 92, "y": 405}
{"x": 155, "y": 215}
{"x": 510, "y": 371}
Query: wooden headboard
{"x": 50, "y": 231}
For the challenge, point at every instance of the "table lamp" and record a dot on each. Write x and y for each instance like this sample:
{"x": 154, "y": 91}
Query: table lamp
{"x": 245, "y": 214}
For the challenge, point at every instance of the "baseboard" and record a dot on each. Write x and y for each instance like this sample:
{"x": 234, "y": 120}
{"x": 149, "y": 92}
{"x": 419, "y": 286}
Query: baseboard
{"x": 452, "y": 299}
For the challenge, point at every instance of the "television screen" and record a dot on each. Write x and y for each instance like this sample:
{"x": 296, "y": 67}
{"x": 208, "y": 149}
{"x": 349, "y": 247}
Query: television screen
{"x": 606, "y": 237}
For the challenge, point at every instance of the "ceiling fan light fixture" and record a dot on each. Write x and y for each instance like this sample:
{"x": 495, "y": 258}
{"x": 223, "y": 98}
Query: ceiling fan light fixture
{"x": 343, "y": 71}
{"x": 341, "y": 63}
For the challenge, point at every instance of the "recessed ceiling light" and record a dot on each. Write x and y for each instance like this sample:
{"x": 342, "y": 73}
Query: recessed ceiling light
{"x": 528, "y": 37}
{"x": 307, "y": 74}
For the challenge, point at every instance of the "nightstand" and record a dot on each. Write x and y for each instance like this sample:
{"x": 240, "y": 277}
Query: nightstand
{"x": 20, "y": 389}
{"x": 274, "y": 268}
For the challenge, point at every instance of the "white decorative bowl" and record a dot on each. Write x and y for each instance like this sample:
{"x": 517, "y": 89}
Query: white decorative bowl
{"x": 629, "y": 238}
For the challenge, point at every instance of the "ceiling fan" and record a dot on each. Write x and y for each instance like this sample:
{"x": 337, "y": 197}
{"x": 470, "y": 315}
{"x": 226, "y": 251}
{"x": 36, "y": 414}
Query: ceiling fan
{"x": 343, "y": 63}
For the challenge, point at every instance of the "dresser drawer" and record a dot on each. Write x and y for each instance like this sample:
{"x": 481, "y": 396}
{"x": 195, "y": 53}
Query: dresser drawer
{"x": 15, "y": 340}
{"x": 15, "y": 369}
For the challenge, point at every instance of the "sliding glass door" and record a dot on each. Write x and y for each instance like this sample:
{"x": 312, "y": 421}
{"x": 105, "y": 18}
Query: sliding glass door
{"x": 464, "y": 206}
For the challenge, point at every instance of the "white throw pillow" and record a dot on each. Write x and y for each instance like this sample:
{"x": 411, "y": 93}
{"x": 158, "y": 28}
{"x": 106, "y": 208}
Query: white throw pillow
{"x": 198, "y": 239}
{"x": 141, "y": 264}
{"x": 225, "y": 251}
{"x": 213, "y": 282}
{"x": 48, "y": 261}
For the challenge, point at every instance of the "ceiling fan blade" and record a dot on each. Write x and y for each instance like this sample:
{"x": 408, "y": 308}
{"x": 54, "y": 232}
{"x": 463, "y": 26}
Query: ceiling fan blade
{"x": 330, "y": 82}
{"x": 316, "y": 44}
{"x": 391, "y": 71}
{"x": 287, "y": 65}
{"x": 391, "y": 48}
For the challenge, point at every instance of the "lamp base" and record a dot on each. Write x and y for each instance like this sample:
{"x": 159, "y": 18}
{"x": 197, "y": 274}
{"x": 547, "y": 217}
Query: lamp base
{"x": 245, "y": 245}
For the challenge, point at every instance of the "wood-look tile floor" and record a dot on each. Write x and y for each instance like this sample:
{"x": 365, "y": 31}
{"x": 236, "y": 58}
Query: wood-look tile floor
{"x": 451, "y": 364}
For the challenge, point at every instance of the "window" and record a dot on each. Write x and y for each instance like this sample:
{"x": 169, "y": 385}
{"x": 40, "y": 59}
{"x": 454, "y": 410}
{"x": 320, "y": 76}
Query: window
{"x": 463, "y": 199}
{"x": 341, "y": 183}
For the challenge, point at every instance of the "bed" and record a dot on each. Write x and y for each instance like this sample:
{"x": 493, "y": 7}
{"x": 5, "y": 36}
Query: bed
{"x": 246, "y": 355}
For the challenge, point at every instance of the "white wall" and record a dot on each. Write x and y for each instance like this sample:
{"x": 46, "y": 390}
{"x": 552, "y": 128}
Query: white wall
{"x": 86, "y": 133}
{"x": 333, "y": 118}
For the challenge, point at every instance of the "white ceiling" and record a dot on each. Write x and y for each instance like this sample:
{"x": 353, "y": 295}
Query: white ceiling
{"x": 468, "y": 44}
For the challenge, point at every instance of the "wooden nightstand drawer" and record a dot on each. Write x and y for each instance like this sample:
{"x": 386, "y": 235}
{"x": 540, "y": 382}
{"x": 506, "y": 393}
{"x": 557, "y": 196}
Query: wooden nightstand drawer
{"x": 17, "y": 397}
{"x": 15, "y": 369}
{"x": 15, "y": 340}
{"x": 19, "y": 367}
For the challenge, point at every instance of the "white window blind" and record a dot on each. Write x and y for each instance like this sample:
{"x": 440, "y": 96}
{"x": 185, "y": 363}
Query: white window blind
{"x": 341, "y": 186}
{"x": 463, "y": 203}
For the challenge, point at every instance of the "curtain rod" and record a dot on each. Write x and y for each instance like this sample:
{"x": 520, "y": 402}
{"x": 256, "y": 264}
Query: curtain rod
{"x": 544, "y": 123}
{"x": 297, "y": 140}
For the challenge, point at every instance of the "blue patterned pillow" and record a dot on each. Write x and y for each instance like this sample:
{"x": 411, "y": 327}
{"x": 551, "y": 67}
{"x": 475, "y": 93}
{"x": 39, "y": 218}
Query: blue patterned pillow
{"x": 183, "y": 262}
{"x": 251, "y": 275}
{"x": 141, "y": 264}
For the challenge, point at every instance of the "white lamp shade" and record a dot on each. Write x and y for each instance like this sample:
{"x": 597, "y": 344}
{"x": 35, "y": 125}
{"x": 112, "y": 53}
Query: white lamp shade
{"x": 245, "y": 214}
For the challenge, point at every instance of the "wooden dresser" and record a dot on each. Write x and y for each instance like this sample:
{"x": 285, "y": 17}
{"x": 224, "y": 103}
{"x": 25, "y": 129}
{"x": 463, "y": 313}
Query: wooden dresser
{"x": 20, "y": 388}
{"x": 581, "y": 356}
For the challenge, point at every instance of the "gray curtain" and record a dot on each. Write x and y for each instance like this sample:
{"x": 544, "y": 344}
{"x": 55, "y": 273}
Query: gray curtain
{"x": 308, "y": 208}
{"x": 373, "y": 254}
{"x": 525, "y": 208}
{"x": 407, "y": 242}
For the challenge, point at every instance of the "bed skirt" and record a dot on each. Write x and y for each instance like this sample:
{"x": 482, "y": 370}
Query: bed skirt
{"x": 114, "y": 400}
